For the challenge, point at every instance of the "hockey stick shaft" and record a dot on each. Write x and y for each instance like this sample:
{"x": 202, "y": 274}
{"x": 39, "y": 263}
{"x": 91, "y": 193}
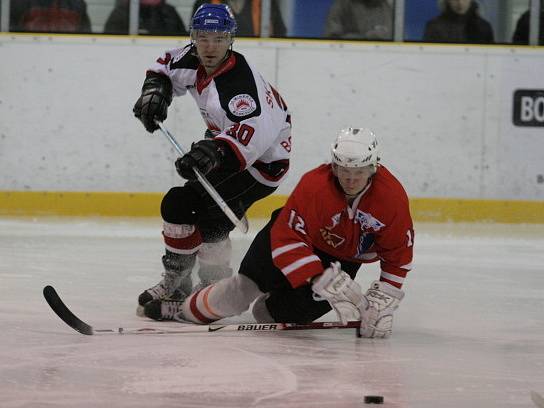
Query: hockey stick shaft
{"x": 64, "y": 313}
{"x": 241, "y": 224}
{"x": 245, "y": 327}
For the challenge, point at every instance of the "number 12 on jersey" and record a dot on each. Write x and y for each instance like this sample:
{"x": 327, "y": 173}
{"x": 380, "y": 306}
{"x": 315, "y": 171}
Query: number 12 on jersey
{"x": 296, "y": 222}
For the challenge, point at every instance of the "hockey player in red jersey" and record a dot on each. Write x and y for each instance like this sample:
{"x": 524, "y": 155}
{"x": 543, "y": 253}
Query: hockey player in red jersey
{"x": 303, "y": 262}
{"x": 245, "y": 154}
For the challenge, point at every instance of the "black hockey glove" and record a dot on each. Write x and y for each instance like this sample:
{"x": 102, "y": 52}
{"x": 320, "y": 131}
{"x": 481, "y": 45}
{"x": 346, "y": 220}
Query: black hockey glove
{"x": 205, "y": 155}
{"x": 153, "y": 103}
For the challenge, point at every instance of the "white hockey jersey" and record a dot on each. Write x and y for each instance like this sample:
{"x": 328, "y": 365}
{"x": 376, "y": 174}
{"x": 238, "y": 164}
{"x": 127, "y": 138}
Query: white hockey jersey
{"x": 239, "y": 106}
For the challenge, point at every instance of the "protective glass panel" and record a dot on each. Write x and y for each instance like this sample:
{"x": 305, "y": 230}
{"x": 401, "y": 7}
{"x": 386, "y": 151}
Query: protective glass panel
{"x": 341, "y": 19}
{"x": 248, "y": 15}
{"x": 520, "y": 24}
{"x": 155, "y": 17}
{"x": 463, "y": 21}
{"x": 50, "y": 16}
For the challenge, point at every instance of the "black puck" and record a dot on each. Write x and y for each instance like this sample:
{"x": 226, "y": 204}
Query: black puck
{"x": 373, "y": 399}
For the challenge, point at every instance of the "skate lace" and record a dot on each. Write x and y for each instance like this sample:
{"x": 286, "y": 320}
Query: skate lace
{"x": 170, "y": 308}
{"x": 158, "y": 290}
{"x": 166, "y": 286}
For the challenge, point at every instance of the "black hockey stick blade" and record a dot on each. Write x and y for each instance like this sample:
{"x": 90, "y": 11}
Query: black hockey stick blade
{"x": 62, "y": 311}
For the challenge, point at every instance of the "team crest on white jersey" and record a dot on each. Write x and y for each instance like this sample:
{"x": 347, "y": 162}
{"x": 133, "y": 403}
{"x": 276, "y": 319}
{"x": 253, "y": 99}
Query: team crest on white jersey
{"x": 242, "y": 105}
{"x": 368, "y": 222}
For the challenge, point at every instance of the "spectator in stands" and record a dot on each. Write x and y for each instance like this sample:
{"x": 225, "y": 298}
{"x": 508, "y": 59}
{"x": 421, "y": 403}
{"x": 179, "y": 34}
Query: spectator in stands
{"x": 155, "y": 18}
{"x": 248, "y": 16}
{"x": 521, "y": 34}
{"x": 360, "y": 19}
{"x": 459, "y": 22}
{"x": 49, "y": 16}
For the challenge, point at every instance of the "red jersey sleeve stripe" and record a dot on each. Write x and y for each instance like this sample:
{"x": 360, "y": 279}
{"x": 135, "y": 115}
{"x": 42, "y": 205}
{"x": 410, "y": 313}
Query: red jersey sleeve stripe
{"x": 286, "y": 248}
{"x": 299, "y": 263}
{"x": 391, "y": 277}
{"x": 392, "y": 283}
{"x": 301, "y": 275}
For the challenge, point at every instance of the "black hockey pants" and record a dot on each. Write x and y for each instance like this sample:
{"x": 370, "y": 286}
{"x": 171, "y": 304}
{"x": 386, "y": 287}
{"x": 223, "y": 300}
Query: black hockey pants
{"x": 285, "y": 304}
{"x": 191, "y": 204}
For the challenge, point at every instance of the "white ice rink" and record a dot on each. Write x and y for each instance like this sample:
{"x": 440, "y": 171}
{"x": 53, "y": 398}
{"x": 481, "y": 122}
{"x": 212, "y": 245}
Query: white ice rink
{"x": 469, "y": 333}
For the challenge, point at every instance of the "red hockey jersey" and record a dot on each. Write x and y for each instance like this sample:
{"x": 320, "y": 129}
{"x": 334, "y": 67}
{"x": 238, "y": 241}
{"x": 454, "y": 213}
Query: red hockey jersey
{"x": 376, "y": 226}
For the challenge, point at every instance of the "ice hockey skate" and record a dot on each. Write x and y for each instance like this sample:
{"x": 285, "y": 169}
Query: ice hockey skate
{"x": 170, "y": 287}
{"x": 164, "y": 309}
{"x": 176, "y": 283}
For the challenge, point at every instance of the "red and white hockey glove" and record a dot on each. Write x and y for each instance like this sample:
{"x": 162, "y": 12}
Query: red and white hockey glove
{"x": 343, "y": 293}
{"x": 377, "y": 315}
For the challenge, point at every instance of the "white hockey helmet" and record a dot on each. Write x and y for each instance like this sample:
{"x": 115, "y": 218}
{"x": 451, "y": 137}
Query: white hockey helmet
{"x": 355, "y": 147}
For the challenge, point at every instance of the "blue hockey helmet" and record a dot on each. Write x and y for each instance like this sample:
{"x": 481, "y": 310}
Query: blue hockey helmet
{"x": 214, "y": 17}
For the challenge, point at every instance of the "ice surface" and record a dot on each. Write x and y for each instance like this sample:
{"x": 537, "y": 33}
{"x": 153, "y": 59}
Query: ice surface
{"x": 469, "y": 333}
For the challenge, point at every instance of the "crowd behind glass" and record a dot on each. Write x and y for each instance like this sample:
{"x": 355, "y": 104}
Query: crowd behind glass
{"x": 439, "y": 21}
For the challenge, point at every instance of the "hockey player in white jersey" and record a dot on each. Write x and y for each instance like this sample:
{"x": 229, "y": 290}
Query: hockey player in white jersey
{"x": 244, "y": 155}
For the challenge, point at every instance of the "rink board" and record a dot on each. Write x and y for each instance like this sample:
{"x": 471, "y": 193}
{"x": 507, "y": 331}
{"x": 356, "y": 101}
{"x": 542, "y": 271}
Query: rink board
{"x": 16, "y": 203}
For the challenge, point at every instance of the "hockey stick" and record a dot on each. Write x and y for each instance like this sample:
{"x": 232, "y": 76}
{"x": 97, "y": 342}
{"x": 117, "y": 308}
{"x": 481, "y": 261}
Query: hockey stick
{"x": 537, "y": 399}
{"x": 62, "y": 311}
{"x": 240, "y": 223}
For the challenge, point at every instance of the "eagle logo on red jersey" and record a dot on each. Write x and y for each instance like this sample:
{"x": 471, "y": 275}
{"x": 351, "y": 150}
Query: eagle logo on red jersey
{"x": 335, "y": 221}
{"x": 331, "y": 238}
